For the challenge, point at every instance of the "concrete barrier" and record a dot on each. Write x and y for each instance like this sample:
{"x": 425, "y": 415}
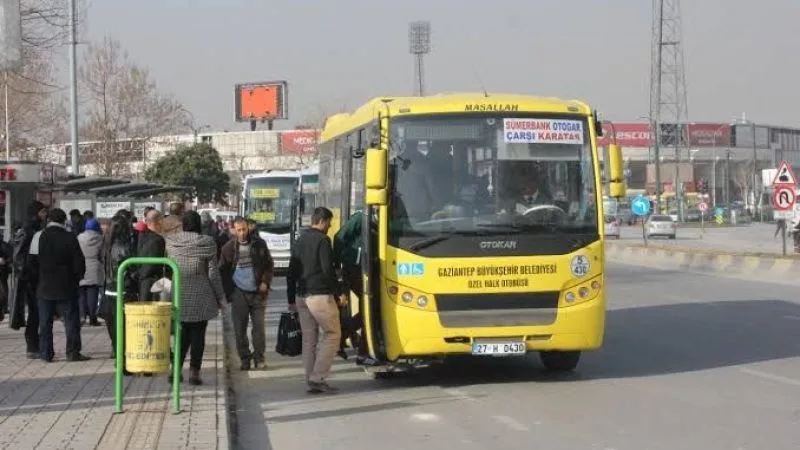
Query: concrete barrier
{"x": 758, "y": 267}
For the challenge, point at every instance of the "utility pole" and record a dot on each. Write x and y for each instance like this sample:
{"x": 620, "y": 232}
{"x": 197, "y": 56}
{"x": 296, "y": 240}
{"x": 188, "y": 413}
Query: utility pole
{"x": 73, "y": 91}
{"x": 668, "y": 105}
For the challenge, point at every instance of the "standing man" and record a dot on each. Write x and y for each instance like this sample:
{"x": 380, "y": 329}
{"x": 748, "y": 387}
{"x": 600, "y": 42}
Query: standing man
{"x": 150, "y": 245}
{"x": 60, "y": 257}
{"x": 26, "y": 277}
{"x": 246, "y": 268}
{"x": 312, "y": 278}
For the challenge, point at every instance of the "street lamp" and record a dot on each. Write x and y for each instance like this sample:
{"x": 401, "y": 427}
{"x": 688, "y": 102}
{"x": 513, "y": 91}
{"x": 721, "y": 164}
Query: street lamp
{"x": 752, "y": 124}
{"x": 714, "y": 167}
{"x": 656, "y": 158}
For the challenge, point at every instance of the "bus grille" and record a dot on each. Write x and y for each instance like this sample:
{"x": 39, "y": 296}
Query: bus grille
{"x": 497, "y": 310}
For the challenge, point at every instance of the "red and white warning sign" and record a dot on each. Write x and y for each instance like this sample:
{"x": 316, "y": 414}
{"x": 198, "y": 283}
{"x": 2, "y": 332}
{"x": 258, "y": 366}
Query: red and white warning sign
{"x": 785, "y": 175}
{"x": 784, "y": 198}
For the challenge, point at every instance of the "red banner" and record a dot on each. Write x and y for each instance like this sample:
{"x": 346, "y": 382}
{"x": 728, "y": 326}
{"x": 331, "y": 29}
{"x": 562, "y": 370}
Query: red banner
{"x": 299, "y": 142}
{"x": 627, "y": 134}
{"x": 709, "y": 135}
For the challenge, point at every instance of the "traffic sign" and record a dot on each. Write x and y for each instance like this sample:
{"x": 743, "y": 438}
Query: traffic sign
{"x": 785, "y": 175}
{"x": 784, "y": 198}
{"x": 640, "y": 206}
{"x": 703, "y": 207}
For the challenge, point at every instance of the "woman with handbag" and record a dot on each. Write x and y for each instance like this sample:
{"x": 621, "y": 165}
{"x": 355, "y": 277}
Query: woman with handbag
{"x": 202, "y": 295}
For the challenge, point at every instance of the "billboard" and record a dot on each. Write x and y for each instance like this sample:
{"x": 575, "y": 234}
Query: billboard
{"x": 709, "y": 135}
{"x": 299, "y": 142}
{"x": 627, "y": 134}
{"x": 262, "y": 101}
{"x": 638, "y": 134}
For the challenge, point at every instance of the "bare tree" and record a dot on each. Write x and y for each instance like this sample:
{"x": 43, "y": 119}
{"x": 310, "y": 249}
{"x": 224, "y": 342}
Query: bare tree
{"x": 742, "y": 177}
{"x": 36, "y": 101}
{"x": 125, "y": 109}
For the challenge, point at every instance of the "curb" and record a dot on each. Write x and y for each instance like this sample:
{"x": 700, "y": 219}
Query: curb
{"x": 231, "y": 423}
{"x": 704, "y": 261}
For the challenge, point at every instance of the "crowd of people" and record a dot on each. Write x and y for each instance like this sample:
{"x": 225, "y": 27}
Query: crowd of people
{"x": 81, "y": 257}
{"x": 219, "y": 263}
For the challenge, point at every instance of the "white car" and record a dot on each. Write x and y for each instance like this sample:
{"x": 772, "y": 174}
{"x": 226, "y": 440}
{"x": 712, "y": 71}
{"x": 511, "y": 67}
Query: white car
{"x": 612, "y": 228}
{"x": 661, "y": 225}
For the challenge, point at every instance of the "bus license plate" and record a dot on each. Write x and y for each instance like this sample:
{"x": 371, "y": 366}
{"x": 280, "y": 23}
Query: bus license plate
{"x": 281, "y": 264}
{"x": 498, "y": 348}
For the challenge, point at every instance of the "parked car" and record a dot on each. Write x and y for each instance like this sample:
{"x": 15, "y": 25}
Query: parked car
{"x": 612, "y": 227}
{"x": 661, "y": 225}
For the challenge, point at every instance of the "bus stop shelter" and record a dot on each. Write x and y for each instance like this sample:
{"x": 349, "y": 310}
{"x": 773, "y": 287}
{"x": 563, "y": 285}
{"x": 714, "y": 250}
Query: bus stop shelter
{"x": 105, "y": 196}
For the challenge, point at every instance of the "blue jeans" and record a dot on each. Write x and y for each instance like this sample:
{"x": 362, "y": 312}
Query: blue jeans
{"x": 68, "y": 310}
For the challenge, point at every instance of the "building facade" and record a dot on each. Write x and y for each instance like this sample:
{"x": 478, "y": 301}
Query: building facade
{"x": 716, "y": 155}
{"x": 241, "y": 152}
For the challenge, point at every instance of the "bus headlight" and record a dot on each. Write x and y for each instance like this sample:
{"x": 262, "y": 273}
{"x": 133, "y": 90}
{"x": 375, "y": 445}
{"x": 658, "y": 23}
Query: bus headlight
{"x": 570, "y": 297}
{"x": 422, "y": 301}
{"x": 408, "y": 297}
{"x": 583, "y": 292}
{"x": 595, "y": 285}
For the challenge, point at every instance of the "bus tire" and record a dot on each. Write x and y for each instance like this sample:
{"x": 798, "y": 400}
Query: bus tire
{"x": 560, "y": 361}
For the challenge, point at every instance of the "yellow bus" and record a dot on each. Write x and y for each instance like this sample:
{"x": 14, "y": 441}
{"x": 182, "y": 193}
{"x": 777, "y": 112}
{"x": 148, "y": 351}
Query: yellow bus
{"x": 487, "y": 224}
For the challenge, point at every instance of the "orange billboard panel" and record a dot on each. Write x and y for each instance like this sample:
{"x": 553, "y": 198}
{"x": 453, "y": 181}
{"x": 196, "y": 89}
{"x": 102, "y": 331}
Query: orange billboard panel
{"x": 261, "y": 101}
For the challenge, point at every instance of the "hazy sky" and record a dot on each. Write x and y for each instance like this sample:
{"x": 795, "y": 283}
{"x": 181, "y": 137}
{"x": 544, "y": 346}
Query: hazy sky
{"x": 740, "y": 55}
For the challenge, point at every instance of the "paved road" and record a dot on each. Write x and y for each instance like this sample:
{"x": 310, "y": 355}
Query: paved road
{"x": 715, "y": 365}
{"x": 757, "y": 237}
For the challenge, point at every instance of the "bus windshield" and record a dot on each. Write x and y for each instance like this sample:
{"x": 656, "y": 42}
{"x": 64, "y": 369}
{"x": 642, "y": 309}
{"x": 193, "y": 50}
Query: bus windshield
{"x": 310, "y": 193}
{"x": 488, "y": 175}
{"x": 269, "y": 202}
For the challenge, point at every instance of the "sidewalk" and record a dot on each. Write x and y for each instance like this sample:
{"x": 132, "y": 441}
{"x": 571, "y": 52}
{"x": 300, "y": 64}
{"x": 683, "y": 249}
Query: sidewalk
{"x": 64, "y": 405}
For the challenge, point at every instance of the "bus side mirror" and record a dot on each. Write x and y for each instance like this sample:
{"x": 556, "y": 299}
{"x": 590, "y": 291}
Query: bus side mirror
{"x": 616, "y": 175}
{"x": 376, "y": 176}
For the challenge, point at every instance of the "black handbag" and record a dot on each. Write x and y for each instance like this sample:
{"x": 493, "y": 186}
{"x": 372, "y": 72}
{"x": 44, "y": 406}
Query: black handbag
{"x": 290, "y": 337}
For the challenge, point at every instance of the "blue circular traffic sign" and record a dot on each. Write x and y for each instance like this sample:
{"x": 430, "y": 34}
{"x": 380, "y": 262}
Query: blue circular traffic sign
{"x": 640, "y": 206}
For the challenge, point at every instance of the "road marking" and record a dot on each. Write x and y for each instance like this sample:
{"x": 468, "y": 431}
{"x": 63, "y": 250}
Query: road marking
{"x": 512, "y": 423}
{"x": 770, "y": 376}
{"x": 461, "y": 395}
{"x": 425, "y": 417}
{"x": 792, "y": 317}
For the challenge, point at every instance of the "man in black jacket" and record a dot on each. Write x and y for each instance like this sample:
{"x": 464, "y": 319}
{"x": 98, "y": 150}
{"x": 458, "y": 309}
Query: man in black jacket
{"x": 26, "y": 277}
{"x": 312, "y": 278}
{"x": 60, "y": 257}
{"x": 150, "y": 245}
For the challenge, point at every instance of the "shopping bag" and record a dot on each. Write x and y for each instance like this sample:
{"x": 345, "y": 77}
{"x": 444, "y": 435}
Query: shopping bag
{"x": 290, "y": 338}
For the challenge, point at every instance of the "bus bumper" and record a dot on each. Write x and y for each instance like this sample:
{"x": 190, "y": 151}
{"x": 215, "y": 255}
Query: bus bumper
{"x": 578, "y": 327}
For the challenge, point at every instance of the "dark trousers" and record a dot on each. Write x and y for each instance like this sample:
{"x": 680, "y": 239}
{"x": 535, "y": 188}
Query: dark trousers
{"x": 247, "y": 307}
{"x": 28, "y": 290}
{"x": 194, "y": 338}
{"x": 354, "y": 281}
{"x": 68, "y": 310}
{"x": 87, "y": 302}
{"x": 110, "y": 317}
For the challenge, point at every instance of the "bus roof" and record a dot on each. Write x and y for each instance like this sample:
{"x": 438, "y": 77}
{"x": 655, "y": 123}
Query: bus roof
{"x": 448, "y": 103}
{"x": 274, "y": 174}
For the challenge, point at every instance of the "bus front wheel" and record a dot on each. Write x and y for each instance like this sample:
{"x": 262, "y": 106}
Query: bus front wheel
{"x": 557, "y": 361}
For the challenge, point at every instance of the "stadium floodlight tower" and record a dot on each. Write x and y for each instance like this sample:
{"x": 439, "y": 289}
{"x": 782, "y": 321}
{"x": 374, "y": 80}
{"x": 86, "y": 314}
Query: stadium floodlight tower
{"x": 419, "y": 45}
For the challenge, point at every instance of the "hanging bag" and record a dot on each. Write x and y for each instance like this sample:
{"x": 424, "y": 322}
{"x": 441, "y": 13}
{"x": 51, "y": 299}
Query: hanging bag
{"x": 290, "y": 338}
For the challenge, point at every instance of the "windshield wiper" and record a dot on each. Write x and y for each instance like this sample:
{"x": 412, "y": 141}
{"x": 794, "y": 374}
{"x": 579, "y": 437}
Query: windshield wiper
{"x": 433, "y": 240}
{"x": 574, "y": 241}
{"x": 427, "y": 242}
